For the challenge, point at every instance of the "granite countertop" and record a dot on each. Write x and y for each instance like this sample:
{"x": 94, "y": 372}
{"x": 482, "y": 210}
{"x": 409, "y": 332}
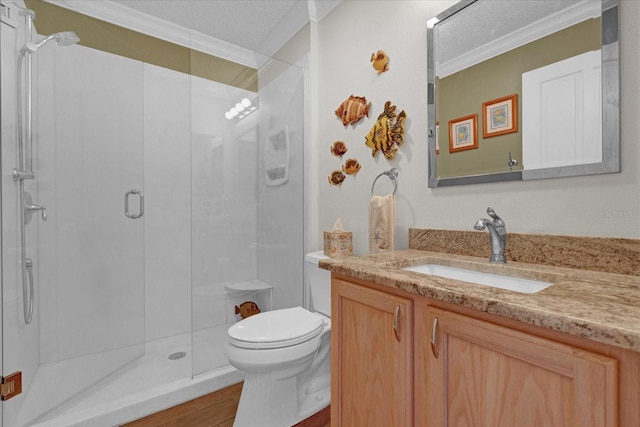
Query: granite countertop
{"x": 599, "y": 306}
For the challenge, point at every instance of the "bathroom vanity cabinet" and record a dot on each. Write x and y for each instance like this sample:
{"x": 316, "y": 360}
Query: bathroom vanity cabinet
{"x": 371, "y": 357}
{"x": 467, "y": 368}
{"x": 481, "y": 374}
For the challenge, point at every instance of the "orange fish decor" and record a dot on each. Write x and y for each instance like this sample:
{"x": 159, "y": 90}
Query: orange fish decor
{"x": 336, "y": 177}
{"x": 247, "y": 309}
{"x": 338, "y": 148}
{"x": 351, "y": 167}
{"x": 387, "y": 134}
{"x": 380, "y": 61}
{"x": 353, "y": 109}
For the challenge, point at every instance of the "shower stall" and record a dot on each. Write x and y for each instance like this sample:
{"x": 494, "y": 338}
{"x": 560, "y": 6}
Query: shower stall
{"x": 142, "y": 201}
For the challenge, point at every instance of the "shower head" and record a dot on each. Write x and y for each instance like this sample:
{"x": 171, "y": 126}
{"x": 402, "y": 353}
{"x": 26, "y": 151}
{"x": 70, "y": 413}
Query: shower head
{"x": 64, "y": 38}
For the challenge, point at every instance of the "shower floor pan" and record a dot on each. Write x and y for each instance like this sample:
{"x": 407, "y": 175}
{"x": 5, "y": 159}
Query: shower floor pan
{"x": 151, "y": 383}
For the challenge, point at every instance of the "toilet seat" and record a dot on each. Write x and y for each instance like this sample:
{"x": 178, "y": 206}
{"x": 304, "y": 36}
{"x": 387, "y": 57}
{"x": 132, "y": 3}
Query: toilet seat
{"x": 276, "y": 329}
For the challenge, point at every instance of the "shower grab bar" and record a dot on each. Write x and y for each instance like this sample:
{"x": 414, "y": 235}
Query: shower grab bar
{"x": 393, "y": 176}
{"x": 126, "y": 204}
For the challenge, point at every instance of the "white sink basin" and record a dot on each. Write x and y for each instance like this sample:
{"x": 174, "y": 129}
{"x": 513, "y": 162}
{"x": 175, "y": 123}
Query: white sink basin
{"x": 516, "y": 284}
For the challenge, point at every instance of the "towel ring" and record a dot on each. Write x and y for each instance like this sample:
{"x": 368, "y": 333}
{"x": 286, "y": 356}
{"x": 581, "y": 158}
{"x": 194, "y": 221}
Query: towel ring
{"x": 393, "y": 176}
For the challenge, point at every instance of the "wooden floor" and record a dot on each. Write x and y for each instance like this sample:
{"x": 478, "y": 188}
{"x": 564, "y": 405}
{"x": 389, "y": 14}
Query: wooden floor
{"x": 217, "y": 409}
{"x": 321, "y": 419}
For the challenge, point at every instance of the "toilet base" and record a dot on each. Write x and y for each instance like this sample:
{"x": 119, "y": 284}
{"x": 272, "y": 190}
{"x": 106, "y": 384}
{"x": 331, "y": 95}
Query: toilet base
{"x": 283, "y": 386}
{"x": 269, "y": 402}
{"x": 285, "y": 397}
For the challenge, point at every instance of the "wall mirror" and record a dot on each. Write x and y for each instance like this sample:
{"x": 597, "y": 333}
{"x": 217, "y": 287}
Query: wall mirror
{"x": 521, "y": 90}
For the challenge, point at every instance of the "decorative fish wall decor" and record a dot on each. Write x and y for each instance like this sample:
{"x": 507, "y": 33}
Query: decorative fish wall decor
{"x": 351, "y": 167}
{"x": 338, "y": 148}
{"x": 353, "y": 109}
{"x": 387, "y": 134}
{"x": 380, "y": 61}
{"x": 336, "y": 177}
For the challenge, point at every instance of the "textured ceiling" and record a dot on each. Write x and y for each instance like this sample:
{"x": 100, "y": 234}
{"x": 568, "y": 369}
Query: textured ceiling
{"x": 245, "y": 23}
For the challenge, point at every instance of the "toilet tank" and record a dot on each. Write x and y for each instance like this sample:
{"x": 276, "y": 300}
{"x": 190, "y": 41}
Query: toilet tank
{"x": 319, "y": 283}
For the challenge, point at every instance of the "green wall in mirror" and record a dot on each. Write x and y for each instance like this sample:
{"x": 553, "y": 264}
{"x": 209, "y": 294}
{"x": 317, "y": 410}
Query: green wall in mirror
{"x": 495, "y": 78}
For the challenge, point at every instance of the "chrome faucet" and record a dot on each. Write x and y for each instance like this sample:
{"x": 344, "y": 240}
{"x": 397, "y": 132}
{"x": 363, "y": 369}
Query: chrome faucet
{"x": 497, "y": 235}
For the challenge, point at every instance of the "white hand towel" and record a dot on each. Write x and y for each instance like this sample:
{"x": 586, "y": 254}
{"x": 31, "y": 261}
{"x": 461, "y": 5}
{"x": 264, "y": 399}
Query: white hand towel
{"x": 382, "y": 223}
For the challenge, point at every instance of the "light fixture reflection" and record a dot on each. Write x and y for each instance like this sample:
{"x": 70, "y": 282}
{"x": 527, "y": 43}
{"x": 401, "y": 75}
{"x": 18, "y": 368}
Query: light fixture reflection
{"x": 241, "y": 109}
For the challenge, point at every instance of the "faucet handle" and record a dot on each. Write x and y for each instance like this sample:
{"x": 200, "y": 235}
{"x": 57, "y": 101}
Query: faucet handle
{"x": 495, "y": 216}
{"x": 30, "y": 208}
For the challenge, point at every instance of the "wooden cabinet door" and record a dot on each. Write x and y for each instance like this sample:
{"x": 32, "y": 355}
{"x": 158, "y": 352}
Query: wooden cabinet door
{"x": 371, "y": 357}
{"x": 486, "y": 375}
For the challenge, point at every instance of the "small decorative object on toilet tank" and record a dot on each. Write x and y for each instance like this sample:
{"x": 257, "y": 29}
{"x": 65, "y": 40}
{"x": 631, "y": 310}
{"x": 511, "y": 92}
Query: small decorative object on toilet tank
{"x": 337, "y": 242}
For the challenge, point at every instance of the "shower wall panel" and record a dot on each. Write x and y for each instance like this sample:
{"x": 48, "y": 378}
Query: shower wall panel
{"x": 280, "y": 208}
{"x": 167, "y": 183}
{"x": 224, "y": 219}
{"x": 224, "y": 213}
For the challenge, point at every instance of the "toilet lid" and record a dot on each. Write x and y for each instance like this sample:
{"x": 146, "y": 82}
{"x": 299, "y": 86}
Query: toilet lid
{"x": 276, "y": 329}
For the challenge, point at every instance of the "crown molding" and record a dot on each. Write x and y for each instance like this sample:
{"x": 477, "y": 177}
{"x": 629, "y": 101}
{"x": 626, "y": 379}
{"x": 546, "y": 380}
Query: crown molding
{"x": 288, "y": 27}
{"x": 318, "y": 9}
{"x": 117, "y": 14}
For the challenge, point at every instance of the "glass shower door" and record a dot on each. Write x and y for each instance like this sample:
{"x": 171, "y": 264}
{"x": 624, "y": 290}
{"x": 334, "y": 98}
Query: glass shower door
{"x": 88, "y": 256}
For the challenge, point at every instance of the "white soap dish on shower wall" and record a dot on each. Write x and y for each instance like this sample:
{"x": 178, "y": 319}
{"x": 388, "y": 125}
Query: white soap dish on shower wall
{"x": 276, "y": 156}
{"x": 277, "y": 173}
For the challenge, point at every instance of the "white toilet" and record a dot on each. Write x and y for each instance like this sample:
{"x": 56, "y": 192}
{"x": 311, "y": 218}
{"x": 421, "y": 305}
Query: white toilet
{"x": 286, "y": 358}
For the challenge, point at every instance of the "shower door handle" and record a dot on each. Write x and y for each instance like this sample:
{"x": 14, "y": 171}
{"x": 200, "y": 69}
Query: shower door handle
{"x": 126, "y": 204}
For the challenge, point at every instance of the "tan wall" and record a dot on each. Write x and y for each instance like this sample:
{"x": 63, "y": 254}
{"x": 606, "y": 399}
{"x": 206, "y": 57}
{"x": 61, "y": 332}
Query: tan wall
{"x": 121, "y": 41}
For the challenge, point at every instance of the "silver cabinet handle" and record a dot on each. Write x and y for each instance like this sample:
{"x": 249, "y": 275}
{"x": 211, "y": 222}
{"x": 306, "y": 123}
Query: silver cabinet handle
{"x": 396, "y": 323}
{"x": 434, "y": 335}
{"x": 126, "y": 204}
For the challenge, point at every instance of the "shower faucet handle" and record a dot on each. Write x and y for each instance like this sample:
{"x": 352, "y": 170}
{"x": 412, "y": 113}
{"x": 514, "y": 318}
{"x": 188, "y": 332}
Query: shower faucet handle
{"x": 29, "y": 209}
